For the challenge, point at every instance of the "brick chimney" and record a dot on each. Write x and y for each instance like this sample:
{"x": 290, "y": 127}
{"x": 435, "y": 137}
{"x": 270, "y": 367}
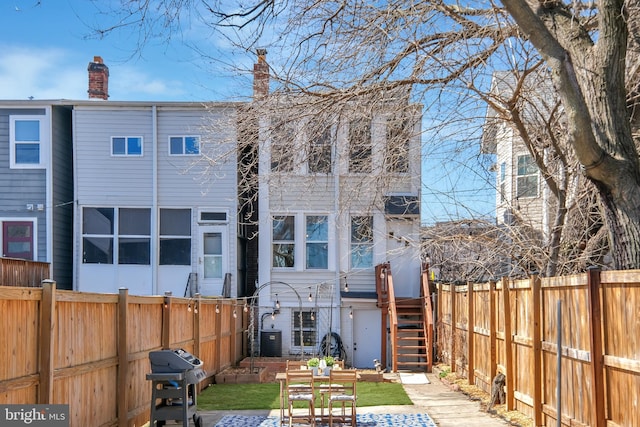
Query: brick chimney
{"x": 261, "y": 75}
{"x": 98, "y": 79}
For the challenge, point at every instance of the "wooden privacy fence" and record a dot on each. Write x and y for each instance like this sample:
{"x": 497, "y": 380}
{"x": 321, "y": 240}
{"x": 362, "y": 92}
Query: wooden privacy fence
{"x": 90, "y": 351}
{"x": 20, "y": 272}
{"x": 512, "y": 327}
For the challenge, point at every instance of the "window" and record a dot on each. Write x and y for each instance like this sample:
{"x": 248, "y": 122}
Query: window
{"x": 175, "y": 236}
{"x": 131, "y": 245}
{"x": 134, "y": 236}
{"x": 317, "y": 242}
{"x": 126, "y": 146}
{"x": 28, "y": 141}
{"x": 283, "y": 238}
{"x": 17, "y": 239}
{"x": 361, "y": 242}
{"x": 213, "y": 255}
{"x": 503, "y": 182}
{"x": 282, "y": 141}
{"x": 213, "y": 217}
{"x": 97, "y": 235}
{"x": 398, "y": 137}
{"x": 184, "y": 145}
{"x": 308, "y": 328}
{"x": 320, "y": 150}
{"x": 360, "y": 146}
{"x": 527, "y": 180}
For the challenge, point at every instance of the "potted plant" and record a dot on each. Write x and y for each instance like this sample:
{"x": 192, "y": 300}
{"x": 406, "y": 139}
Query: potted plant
{"x": 313, "y": 364}
{"x": 328, "y": 362}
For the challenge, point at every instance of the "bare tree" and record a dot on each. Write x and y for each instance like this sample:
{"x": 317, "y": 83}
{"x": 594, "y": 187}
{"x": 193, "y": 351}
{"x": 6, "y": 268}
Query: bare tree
{"x": 334, "y": 51}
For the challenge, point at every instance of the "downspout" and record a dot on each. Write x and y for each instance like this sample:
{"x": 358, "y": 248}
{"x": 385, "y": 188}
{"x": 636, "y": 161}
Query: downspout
{"x": 49, "y": 194}
{"x": 155, "y": 213}
{"x": 338, "y": 244}
{"x": 76, "y": 209}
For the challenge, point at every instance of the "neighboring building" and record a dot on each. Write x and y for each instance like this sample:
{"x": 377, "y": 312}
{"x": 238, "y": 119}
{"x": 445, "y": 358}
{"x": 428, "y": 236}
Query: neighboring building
{"x": 36, "y": 184}
{"x": 339, "y": 194}
{"x": 156, "y": 198}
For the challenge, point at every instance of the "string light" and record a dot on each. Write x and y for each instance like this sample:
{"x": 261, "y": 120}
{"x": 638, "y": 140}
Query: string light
{"x": 350, "y": 313}
{"x": 246, "y": 307}
{"x": 189, "y": 307}
{"x": 195, "y": 308}
{"x": 235, "y": 315}
{"x": 273, "y": 315}
{"x": 313, "y": 315}
{"x": 217, "y": 309}
{"x": 277, "y": 303}
{"x": 346, "y": 285}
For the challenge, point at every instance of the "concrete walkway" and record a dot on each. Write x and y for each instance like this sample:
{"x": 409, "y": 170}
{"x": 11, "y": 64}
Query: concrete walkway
{"x": 446, "y": 407}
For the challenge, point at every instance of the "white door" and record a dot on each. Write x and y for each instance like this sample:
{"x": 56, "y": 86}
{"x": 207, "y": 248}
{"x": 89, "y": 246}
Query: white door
{"x": 404, "y": 259}
{"x": 366, "y": 337}
{"x": 213, "y": 260}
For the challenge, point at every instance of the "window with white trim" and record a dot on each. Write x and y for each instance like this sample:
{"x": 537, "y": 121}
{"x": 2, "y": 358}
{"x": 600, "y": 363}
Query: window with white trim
{"x": 308, "y": 328}
{"x": 361, "y": 242}
{"x": 398, "y": 138}
{"x": 282, "y": 146}
{"x": 130, "y": 245}
{"x": 28, "y": 141}
{"x": 317, "y": 242}
{"x": 503, "y": 181}
{"x": 527, "y": 177}
{"x": 283, "y": 241}
{"x": 126, "y": 146}
{"x": 184, "y": 145}
{"x": 319, "y": 160}
{"x": 175, "y": 236}
{"x": 360, "y": 149}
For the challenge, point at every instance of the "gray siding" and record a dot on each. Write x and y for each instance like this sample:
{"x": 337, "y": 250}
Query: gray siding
{"x": 62, "y": 197}
{"x": 106, "y": 180}
{"x": 19, "y": 187}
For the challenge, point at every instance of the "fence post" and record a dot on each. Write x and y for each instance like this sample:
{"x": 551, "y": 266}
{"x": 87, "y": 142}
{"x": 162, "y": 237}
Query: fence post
{"x": 471, "y": 320}
{"x": 597, "y": 351}
{"x": 166, "y": 321}
{"x": 537, "y": 350}
{"x": 47, "y": 326}
{"x": 508, "y": 344}
{"x": 196, "y": 324}
{"x": 218, "y": 334}
{"x": 123, "y": 358}
{"x": 492, "y": 330}
{"x": 452, "y": 291}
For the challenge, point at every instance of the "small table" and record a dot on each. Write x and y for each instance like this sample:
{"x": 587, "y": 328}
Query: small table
{"x": 281, "y": 377}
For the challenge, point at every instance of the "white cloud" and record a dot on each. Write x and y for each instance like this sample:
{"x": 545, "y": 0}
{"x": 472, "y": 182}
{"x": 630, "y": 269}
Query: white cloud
{"x": 40, "y": 73}
{"x": 55, "y": 73}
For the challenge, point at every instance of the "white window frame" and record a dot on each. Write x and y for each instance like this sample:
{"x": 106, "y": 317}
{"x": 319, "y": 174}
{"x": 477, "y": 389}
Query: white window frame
{"x": 126, "y": 146}
{"x": 43, "y": 142}
{"x": 308, "y": 241}
{"x": 355, "y": 244}
{"x": 519, "y": 176}
{"x": 184, "y": 144}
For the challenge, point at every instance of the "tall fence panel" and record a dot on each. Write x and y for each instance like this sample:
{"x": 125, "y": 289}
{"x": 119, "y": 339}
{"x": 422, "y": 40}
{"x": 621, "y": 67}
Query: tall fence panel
{"x": 512, "y": 327}
{"x": 90, "y": 351}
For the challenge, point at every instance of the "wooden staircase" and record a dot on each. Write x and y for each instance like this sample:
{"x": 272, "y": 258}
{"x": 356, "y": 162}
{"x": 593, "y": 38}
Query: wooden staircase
{"x": 410, "y": 347}
{"x": 409, "y": 323}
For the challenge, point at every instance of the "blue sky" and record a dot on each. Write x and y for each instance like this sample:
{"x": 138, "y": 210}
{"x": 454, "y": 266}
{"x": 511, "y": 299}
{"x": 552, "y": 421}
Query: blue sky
{"x": 44, "y": 53}
{"x": 45, "y": 50}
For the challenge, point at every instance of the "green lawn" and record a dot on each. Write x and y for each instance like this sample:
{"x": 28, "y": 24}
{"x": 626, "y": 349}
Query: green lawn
{"x": 265, "y": 396}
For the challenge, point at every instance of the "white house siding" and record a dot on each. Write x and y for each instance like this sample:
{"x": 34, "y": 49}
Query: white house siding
{"x": 340, "y": 197}
{"x": 156, "y": 181}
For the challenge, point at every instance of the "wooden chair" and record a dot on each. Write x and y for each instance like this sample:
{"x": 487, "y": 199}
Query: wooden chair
{"x": 299, "y": 388}
{"x": 342, "y": 392}
{"x": 296, "y": 364}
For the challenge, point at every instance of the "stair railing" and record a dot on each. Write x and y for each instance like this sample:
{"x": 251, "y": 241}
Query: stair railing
{"x": 427, "y": 313}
